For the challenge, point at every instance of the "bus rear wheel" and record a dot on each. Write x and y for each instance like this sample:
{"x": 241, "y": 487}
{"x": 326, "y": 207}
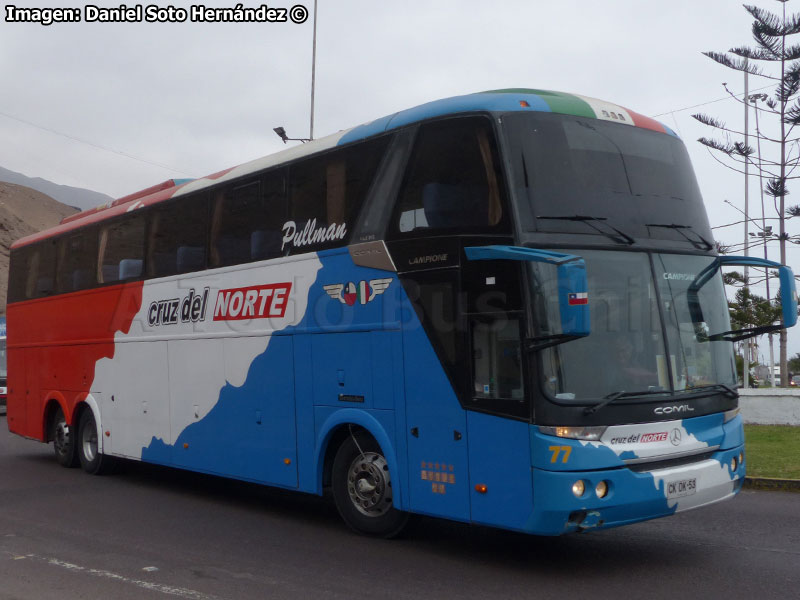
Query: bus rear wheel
{"x": 63, "y": 436}
{"x": 92, "y": 460}
{"x": 362, "y": 488}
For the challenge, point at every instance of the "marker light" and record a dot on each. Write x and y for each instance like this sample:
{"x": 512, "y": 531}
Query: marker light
{"x": 601, "y": 489}
{"x": 524, "y": 104}
{"x": 578, "y": 488}
{"x": 481, "y": 488}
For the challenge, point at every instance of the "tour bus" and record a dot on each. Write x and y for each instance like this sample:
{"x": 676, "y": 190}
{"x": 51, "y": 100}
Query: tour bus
{"x": 3, "y": 371}
{"x": 502, "y": 308}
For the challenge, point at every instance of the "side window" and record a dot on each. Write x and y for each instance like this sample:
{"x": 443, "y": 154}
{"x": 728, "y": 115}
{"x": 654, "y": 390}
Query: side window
{"x": 247, "y": 221}
{"x": 18, "y": 273}
{"x": 177, "y": 237}
{"x": 77, "y": 266}
{"x": 326, "y": 193}
{"x": 453, "y": 180}
{"x": 121, "y": 250}
{"x": 41, "y": 270}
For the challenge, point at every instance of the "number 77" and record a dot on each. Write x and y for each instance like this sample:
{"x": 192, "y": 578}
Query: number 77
{"x": 556, "y": 450}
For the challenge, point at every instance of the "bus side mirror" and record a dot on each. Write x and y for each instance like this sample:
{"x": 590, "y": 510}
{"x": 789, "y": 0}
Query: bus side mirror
{"x": 573, "y": 296}
{"x": 788, "y": 295}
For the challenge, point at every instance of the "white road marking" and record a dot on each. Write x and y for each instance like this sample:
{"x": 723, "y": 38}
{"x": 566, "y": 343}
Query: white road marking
{"x": 147, "y": 585}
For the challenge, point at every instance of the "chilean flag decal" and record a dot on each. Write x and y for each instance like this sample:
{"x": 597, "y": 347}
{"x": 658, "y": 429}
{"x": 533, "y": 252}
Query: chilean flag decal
{"x": 578, "y": 298}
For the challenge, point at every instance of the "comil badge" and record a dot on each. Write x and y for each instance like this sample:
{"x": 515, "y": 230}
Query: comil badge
{"x": 362, "y": 292}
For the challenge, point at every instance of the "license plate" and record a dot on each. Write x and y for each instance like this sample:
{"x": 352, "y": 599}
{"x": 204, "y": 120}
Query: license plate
{"x": 682, "y": 487}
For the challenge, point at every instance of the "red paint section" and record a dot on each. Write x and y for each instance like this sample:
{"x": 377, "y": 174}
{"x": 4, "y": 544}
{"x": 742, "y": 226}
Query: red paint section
{"x": 646, "y": 122}
{"x": 54, "y": 345}
{"x": 95, "y": 215}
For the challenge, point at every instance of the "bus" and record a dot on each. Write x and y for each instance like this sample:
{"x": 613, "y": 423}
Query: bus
{"x": 504, "y": 308}
{"x": 3, "y": 370}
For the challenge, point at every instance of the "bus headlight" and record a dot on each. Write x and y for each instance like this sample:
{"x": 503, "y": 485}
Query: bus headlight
{"x": 601, "y": 489}
{"x": 578, "y": 488}
{"x": 591, "y": 434}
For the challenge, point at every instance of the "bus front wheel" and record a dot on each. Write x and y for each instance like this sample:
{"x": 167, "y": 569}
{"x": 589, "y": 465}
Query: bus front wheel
{"x": 362, "y": 488}
{"x": 63, "y": 437}
{"x": 92, "y": 460}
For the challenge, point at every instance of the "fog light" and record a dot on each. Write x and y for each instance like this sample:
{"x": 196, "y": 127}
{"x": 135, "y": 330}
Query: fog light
{"x": 601, "y": 489}
{"x": 734, "y": 463}
{"x": 741, "y": 458}
{"x": 578, "y": 488}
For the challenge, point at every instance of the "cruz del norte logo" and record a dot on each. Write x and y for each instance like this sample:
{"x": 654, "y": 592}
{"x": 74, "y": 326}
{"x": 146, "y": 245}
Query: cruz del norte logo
{"x": 362, "y": 292}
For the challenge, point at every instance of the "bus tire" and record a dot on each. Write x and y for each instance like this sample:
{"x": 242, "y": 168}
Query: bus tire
{"x": 88, "y": 445}
{"x": 362, "y": 488}
{"x": 64, "y": 437}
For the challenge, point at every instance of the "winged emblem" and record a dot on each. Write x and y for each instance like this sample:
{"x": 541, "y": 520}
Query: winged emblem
{"x": 362, "y": 292}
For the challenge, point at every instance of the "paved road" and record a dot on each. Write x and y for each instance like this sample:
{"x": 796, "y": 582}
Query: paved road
{"x": 157, "y": 533}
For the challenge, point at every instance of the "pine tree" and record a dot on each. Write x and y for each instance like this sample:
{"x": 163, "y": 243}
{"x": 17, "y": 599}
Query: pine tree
{"x": 776, "y": 59}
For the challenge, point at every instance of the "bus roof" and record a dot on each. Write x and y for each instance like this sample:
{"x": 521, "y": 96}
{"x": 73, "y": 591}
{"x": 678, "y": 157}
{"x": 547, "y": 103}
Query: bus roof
{"x": 505, "y": 100}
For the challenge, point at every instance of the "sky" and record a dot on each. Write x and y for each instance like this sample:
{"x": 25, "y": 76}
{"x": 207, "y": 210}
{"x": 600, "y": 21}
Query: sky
{"x": 117, "y": 107}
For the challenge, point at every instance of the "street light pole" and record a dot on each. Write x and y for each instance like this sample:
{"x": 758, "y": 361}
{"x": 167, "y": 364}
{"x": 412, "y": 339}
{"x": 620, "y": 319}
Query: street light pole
{"x": 746, "y": 362}
{"x": 313, "y": 72}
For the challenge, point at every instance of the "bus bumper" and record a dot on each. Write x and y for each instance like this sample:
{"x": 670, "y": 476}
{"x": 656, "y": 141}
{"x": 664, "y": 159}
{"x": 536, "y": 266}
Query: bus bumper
{"x": 632, "y": 496}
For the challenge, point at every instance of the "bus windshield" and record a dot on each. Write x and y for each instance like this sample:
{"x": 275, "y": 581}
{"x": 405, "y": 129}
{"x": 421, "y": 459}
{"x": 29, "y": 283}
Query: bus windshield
{"x": 643, "y": 338}
{"x": 637, "y": 180}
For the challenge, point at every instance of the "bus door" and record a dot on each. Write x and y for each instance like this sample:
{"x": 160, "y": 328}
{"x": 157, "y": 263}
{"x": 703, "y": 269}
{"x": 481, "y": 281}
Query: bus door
{"x": 498, "y": 424}
{"x": 436, "y": 425}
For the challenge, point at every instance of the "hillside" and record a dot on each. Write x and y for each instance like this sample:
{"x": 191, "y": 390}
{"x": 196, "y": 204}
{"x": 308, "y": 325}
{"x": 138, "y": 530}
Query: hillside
{"x": 71, "y": 196}
{"x": 23, "y": 211}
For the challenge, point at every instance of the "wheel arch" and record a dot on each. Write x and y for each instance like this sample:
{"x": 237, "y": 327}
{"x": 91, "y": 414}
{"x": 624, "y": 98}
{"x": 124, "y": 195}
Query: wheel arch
{"x": 336, "y": 428}
{"x": 88, "y": 402}
{"x": 52, "y": 403}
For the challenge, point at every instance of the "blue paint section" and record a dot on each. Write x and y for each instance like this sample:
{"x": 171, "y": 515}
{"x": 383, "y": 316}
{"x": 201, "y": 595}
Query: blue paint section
{"x": 480, "y": 102}
{"x": 560, "y": 462}
{"x": 498, "y": 458}
{"x": 285, "y": 382}
{"x": 633, "y": 497}
{"x": 250, "y": 431}
{"x": 438, "y": 441}
{"x": 547, "y": 452}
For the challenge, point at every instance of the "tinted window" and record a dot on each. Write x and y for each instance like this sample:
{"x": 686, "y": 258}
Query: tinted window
{"x": 18, "y": 274}
{"x": 630, "y": 177}
{"x": 77, "y": 262}
{"x": 326, "y": 193}
{"x": 122, "y": 250}
{"x": 247, "y": 221}
{"x": 453, "y": 180}
{"x": 41, "y": 270}
{"x": 177, "y": 237}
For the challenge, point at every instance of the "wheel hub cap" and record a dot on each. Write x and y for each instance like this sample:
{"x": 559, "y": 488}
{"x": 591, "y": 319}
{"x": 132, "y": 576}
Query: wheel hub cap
{"x": 368, "y": 484}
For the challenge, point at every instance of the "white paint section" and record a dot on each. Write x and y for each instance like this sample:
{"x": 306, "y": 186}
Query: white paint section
{"x": 712, "y": 478}
{"x": 165, "y": 376}
{"x": 135, "y": 401}
{"x": 102, "y": 573}
{"x": 266, "y": 162}
{"x": 197, "y": 374}
{"x": 650, "y": 440}
{"x": 608, "y": 111}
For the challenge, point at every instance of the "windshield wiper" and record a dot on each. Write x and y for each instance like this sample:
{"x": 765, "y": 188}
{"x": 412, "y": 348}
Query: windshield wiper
{"x": 620, "y": 237}
{"x": 721, "y": 387}
{"x": 614, "y": 396}
{"x": 706, "y": 245}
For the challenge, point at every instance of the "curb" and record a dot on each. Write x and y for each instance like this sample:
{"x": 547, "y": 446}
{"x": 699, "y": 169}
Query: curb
{"x": 768, "y": 483}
